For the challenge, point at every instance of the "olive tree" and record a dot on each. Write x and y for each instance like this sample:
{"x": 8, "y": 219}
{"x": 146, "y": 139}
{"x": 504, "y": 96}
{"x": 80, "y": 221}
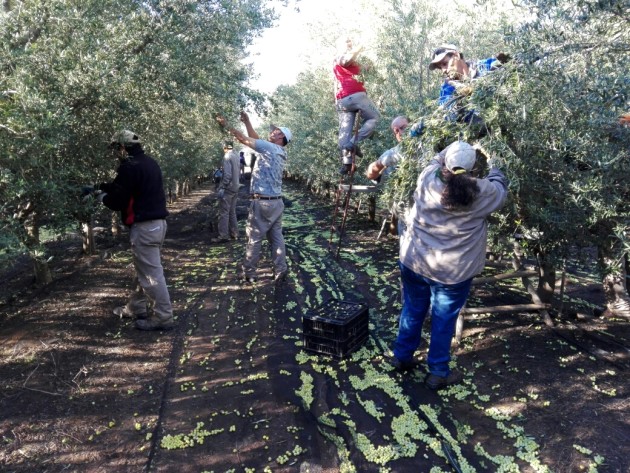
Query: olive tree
{"x": 551, "y": 118}
{"x": 74, "y": 72}
{"x": 577, "y": 55}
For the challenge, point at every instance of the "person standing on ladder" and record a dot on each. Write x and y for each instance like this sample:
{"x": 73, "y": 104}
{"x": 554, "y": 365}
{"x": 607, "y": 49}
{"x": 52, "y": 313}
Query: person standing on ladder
{"x": 351, "y": 98}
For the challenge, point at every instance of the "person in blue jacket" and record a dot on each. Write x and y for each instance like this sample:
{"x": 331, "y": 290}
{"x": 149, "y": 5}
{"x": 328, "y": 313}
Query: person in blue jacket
{"x": 457, "y": 72}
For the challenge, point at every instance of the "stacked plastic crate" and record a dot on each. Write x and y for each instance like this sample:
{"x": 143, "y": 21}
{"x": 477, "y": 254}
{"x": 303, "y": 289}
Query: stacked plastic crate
{"x": 336, "y": 328}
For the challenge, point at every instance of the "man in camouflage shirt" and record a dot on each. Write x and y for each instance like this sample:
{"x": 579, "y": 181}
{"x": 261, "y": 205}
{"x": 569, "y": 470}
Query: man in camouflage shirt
{"x": 266, "y": 207}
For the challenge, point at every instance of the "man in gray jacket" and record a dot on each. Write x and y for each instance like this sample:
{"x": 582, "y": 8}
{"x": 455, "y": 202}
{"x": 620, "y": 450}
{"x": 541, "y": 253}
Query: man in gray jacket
{"x": 227, "y": 194}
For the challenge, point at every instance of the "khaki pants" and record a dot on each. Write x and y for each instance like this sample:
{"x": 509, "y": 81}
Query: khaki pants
{"x": 265, "y": 220}
{"x": 227, "y": 215}
{"x": 150, "y": 286}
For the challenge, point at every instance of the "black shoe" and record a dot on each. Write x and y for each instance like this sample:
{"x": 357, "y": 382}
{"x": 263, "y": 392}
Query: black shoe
{"x": 403, "y": 366}
{"x": 345, "y": 169}
{"x": 356, "y": 149}
{"x": 280, "y": 277}
{"x": 123, "y": 313}
{"x": 155, "y": 323}
{"x": 247, "y": 279}
{"x": 218, "y": 240}
{"x": 435, "y": 382}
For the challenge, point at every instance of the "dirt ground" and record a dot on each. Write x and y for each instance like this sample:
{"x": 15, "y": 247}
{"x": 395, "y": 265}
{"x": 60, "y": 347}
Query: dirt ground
{"x": 232, "y": 389}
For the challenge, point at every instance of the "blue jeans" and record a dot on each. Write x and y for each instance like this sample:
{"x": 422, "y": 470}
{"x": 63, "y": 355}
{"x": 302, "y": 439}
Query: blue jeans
{"x": 445, "y": 300}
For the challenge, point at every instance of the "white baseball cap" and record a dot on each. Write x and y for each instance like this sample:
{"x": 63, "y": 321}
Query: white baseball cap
{"x": 439, "y": 54}
{"x": 460, "y": 155}
{"x": 287, "y": 133}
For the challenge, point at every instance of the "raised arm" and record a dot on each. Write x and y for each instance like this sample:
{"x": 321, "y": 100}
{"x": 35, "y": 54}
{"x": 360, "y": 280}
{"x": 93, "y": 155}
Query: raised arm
{"x": 248, "y": 125}
{"x": 248, "y": 141}
{"x": 350, "y": 55}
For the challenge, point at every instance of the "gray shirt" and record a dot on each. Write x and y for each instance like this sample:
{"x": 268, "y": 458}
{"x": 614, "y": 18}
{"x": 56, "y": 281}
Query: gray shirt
{"x": 390, "y": 160}
{"x": 268, "y": 169}
{"x": 231, "y": 171}
{"x": 449, "y": 246}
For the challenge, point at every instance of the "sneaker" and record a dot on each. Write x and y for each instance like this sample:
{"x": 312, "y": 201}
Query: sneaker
{"x": 247, "y": 279}
{"x": 280, "y": 277}
{"x": 403, "y": 366}
{"x": 122, "y": 312}
{"x": 436, "y": 382}
{"x": 219, "y": 240}
{"x": 155, "y": 323}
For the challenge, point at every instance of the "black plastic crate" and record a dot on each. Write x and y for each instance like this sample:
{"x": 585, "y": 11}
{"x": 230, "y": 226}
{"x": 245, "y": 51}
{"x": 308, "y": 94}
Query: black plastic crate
{"x": 336, "y": 320}
{"x": 336, "y": 348}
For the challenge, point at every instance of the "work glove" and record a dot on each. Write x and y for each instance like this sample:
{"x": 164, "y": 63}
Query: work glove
{"x": 503, "y": 57}
{"x": 416, "y": 129}
{"x": 99, "y": 195}
{"x": 221, "y": 193}
{"x": 464, "y": 90}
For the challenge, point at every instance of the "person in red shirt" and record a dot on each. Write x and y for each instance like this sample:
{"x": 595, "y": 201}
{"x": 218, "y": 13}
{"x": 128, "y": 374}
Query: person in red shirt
{"x": 351, "y": 98}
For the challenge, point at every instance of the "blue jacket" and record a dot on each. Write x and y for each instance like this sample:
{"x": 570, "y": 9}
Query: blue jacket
{"x": 478, "y": 69}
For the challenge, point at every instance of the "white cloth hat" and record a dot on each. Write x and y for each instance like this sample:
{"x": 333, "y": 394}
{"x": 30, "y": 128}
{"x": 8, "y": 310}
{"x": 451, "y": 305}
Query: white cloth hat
{"x": 125, "y": 137}
{"x": 460, "y": 155}
{"x": 440, "y": 52}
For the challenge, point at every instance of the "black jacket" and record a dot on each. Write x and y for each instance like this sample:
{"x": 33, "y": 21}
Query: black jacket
{"x": 137, "y": 191}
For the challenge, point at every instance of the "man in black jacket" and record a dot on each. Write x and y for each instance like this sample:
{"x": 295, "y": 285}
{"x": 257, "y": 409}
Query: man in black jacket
{"x": 138, "y": 193}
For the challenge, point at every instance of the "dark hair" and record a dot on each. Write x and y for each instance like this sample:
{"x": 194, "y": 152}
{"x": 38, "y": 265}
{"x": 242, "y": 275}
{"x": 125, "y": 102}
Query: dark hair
{"x": 133, "y": 148}
{"x": 460, "y": 191}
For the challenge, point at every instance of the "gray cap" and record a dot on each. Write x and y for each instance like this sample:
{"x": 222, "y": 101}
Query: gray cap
{"x": 460, "y": 157}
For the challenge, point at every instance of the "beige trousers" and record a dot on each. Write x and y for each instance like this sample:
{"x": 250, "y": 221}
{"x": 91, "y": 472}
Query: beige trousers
{"x": 228, "y": 226}
{"x": 150, "y": 286}
{"x": 265, "y": 220}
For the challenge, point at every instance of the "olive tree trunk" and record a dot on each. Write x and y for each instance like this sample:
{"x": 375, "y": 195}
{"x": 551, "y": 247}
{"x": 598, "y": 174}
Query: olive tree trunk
{"x": 541, "y": 293}
{"x": 614, "y": 282}
{"x": 41, "y": 269}
{"x": 87, "y": 238}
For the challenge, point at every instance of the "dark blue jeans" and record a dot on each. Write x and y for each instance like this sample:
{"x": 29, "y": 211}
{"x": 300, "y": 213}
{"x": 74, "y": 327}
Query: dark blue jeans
{"x": 445, "y": 300}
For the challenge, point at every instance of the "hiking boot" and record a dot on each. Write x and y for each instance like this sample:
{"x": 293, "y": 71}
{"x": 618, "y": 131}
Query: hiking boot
{"x": 219, "y": 240}
{"x": 124, "y": 313}
{"x": 155, "y": 323}
{"x": 436, "y": 382}
{"x": 403, "y": 366}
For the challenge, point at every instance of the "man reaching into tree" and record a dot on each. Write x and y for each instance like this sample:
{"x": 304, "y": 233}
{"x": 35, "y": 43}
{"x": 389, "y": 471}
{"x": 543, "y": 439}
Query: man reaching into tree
{"x": 266, "y": 208}
{"x": 138, "y": 193}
